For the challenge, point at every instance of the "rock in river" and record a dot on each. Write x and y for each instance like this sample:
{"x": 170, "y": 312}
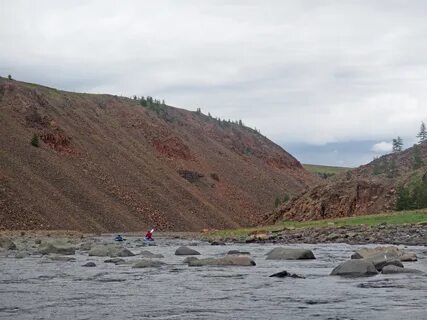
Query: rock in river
{"x": 238, "y": 252}
{"x": 7, "y": 244}
{"x": 148, "y": 264}
{"x": 149, "y": 254}
{"x": 125, "y": 253}
{"x": 89, "y": 264}
{"x": 394, "y": 269}
{"x": 285, "y": 274}
{"x": 104, "y": 251}
{"x": 231, "y": 260}
{"x": 185, "y": 251}
{"x": 57, "y": 247}
{"x": 355, "y": 268}
{"x": 389, "y": 252}
{"x": 289, "y": 254}
{"x": 116, "y": 261}
{"x": 381, "y": 260}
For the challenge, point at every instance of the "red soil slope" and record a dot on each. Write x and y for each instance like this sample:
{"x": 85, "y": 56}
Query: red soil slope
{"x": 105, "y": 163}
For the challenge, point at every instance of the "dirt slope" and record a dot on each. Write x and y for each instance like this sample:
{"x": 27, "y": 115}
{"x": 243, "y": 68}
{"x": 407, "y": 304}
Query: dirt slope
{"x": 368, "y": 189}
{"x": 106, "y": 163}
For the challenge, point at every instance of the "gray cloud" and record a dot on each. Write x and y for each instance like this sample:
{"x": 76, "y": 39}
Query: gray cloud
{"x": 304, "y": 72}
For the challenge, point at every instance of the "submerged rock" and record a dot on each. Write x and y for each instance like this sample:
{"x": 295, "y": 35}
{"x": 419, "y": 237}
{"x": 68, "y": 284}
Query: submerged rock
{"x": 290, "y": 254}
{"x": 89, "y": 264}
{"x": 231, "y": 260}
{"x": 148, "y": 264}
{"x": 115, "y": 261}
{"x": 148, "y": 254}
{"x": 284, "y": 274}
{"x": 238, "y": 252}
{"x": 185, "y": 251}
{"x": 22, "y": 254}
{"x": 395, "y": 269}
{"x": 7, "y": 244}
{"x": 355, "y": 268}
{"x": 62, "y": 258}
{"x": 217, "y": 243}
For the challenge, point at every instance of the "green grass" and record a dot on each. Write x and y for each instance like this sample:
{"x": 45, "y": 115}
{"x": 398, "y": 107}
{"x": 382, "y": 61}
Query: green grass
{"x": 401, "y": 217}
{"x": 324, "y": 169}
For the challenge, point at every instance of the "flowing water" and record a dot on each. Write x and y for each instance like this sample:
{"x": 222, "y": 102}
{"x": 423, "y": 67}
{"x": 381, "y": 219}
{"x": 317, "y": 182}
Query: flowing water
{"x": 37, "y": 288}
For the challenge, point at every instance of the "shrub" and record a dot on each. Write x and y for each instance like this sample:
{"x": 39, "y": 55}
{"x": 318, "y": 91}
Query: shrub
{"x": 412, "y": 196}
{"x": 35, "y": 141}
{"x": 276, "y": 202}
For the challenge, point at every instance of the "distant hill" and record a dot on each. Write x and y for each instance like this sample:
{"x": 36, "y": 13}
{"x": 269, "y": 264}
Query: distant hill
{"x": 393, "y": 181}
{"x": 107, "y": 163}
{"x": 324, "y": 171}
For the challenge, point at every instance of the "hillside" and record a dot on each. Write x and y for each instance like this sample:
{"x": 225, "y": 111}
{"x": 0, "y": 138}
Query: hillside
{"x": 106, "y": 163}
{"x": 368, "y": 189}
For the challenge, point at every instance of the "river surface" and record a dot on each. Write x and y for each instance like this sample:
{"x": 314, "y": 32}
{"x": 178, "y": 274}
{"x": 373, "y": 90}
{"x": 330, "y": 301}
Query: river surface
{"x": 37, "y": 288}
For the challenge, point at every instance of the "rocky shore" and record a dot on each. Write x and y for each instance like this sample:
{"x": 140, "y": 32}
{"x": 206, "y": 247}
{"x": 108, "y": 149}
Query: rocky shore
{"x": 408, "y": 234}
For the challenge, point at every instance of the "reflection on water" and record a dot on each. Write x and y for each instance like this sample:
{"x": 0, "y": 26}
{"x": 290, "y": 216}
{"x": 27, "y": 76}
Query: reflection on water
{"x": 34, "y": 288}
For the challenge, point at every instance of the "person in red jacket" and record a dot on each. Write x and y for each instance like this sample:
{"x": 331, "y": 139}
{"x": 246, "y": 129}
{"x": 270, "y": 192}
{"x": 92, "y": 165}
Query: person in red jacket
{"x": 149, "y": 235}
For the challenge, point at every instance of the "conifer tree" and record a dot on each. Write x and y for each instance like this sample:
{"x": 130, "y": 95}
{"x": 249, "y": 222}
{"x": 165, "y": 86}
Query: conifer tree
{"x": 397, "y": 144}
{"x": 417, "y": 160}
{"x": 422, "y": 135}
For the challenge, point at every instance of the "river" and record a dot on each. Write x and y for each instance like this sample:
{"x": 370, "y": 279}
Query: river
{"x": 35, "y": 287}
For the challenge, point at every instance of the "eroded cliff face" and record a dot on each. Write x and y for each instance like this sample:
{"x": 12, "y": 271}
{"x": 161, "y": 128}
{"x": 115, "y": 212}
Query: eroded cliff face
{"x": 106, "y": 163}
{"x": 369, "y": 189}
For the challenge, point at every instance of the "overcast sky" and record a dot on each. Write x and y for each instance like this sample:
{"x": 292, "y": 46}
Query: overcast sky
{"x": 331, "y": 81}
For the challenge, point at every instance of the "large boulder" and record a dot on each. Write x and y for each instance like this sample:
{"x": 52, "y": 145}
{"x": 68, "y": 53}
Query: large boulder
{"x": 148, "y": 264}
{"x": 104, "y": 251}
{"x": 408, "y": 257}
{"x": 186, "y": 251}
{"x": 7, "y": 244}
{"x": 125, "y": 253}
{"x": 149, "y": 254}
{"x": 56, "y": 247}
{"x": 290, "y": 254}
{"x": 395, "y": 269}
{"x": 381, "y": 260}
{"x": 389, "y": 252}
{"x": 355, "y": 268}
{"x": 232, "y": 260}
